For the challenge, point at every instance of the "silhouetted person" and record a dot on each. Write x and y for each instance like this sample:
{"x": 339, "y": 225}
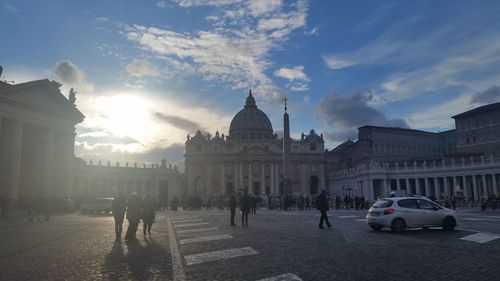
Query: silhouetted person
{"x": 175, "y": 202}
{"x": 322, "y": 206}
{"x": 232, "y": 208}
{"x": 118, "y": 207}
{"x": 254, "y": 204}
{"x": 30, "y": 208}
{"x": 245, "y": 204}
{"x": 133, "y": 217}
{"x": 308, "y": 202}
{"x": 148, "y": 214}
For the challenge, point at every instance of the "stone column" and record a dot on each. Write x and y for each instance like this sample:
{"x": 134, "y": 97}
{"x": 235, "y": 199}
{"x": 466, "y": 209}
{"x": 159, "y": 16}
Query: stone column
{"x": 407, "y": 184}
{"x": 484, "y": 184}
{"x": 271, "y": 176}
{"x": 208, "y": 183}
{"x": 223, "y": 178}
{"x": 235, "y": 177}
{"x": 12, "y": 158}
{"x": 241, "y": 175}
{"x": 436, "y": 187}
{"x": 262, "y": 179}
{"x": 398, "y": 184}
{"x": 446, "y": 186}
{"x": 303, "y": 178}
{"x": 48, "y": 168}
{"x": 250, "y": 172}
{"x": 475, "y": 187}
{"x": 495, "y": 183}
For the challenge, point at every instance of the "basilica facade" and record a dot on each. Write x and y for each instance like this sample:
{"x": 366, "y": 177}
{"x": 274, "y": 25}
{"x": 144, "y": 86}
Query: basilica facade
{"x": 253, "y": 158}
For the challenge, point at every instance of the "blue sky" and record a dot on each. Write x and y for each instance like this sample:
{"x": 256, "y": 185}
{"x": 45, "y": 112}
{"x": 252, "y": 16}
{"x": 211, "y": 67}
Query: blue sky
{"x": 150, "y": 72}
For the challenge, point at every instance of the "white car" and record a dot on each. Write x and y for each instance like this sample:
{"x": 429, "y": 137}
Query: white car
{"x": 99, "y": 205}
{"x": 399, "y": 213}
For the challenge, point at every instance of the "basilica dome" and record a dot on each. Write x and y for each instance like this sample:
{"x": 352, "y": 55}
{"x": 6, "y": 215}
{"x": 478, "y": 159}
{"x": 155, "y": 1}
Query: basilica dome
{"x": 250, "y": 123}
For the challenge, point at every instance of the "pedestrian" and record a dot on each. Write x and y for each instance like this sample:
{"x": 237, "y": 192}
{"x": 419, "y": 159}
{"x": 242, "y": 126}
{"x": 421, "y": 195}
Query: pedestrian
{"x": 322, "y": 206}
{"x": 118, "y": 207}
{"x": 175, "y": 201}
{"x": 245, "y": 204}
{"x": 148, "y": 214}
{"x": 133, "y": 217}
{"x": 308, "y": 201}
{"x": 362, "y": 202}
{"x": 46, "y": 208}
{"x": 30, "y": 208}
{"x": 232, "y": 208}
{"x": 254, "y": 204}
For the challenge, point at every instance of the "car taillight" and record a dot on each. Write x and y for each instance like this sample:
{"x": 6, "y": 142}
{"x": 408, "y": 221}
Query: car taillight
{"x": 389, "y": 211}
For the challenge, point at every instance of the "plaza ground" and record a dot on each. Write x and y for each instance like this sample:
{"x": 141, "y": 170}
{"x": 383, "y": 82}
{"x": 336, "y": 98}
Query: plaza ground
{"x": 277, "y": 245}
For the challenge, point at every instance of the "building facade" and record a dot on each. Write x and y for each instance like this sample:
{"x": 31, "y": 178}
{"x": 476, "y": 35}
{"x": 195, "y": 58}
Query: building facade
{"x": 94, "y": 180}
{"x": 464, "y": 162}
{"x": 251, "y": 158}
{"x": 36, "y": 140}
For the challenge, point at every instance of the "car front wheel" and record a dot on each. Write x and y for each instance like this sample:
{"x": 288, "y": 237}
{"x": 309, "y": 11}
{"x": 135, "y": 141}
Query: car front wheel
{"x": 398, "y": 225}
{"x": 449, "y": 224}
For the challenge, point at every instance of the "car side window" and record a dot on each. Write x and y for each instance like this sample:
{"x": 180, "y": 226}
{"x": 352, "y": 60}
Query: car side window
{"x": 426, "y": 205}
{"x": 408, "y": 203}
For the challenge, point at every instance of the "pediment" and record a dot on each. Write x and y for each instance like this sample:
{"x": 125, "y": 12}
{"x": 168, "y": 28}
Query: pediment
{"x": 42, "y": 96}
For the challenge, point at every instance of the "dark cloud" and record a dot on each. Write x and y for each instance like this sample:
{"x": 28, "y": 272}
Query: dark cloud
{"x": 68, "y": 73}
{"x": 490, "y": 95}
{"x": 344, "y": 114}
{"x": 179, "y": 122}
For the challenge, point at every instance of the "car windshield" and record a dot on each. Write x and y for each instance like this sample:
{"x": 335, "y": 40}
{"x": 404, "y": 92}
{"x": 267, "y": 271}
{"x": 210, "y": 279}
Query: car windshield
{"x": 383, "y": 203}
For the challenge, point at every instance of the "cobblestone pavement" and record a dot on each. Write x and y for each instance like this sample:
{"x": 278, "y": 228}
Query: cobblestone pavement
{"x": 277, "y": 245}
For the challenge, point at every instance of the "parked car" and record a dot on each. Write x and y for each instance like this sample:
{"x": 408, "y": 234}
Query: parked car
{"x": 399, "y": 213}
{"x": 99, "y": 205}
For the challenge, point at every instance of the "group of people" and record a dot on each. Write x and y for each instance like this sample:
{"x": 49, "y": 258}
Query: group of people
{"x": 135, "y": 210}
{"x": 348, "y": 202}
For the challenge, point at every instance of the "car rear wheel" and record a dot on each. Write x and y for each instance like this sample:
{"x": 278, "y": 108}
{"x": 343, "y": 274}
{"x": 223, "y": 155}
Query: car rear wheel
{"x": 398, "y": 225}
{"x": 449, "y": 223}
{"x": 376, "y": 227}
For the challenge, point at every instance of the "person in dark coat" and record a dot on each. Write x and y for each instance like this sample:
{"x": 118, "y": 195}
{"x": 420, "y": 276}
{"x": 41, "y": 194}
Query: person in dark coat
{"x": 133, "y": 217}
{"x": 118, "y": 207}
{"x": 175, "y": 202}
{"x": 232, "y": 208}
{"x": 253, "y": 201}
{"x": 322, "y": 206}
{"x": 308, "y": 201}
{"x": 148, "y": 214}
{"x": 245, "y": 204}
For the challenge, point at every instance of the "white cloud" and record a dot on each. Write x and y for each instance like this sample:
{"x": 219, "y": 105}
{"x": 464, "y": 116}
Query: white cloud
{"x": 140, "y": 68}
{"x": 295, "y": 73}
{"x": 297, "y": 77}
{"x": 161, "y": 4}
{"x": 191, "y": 3}
{"x": 333, "y": 62}
{"x": 234, "y": 53}
{"x": 261, "y": 7}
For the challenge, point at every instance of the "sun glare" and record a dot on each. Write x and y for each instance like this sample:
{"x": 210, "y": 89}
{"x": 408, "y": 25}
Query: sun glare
{"x": 126, "y": 115}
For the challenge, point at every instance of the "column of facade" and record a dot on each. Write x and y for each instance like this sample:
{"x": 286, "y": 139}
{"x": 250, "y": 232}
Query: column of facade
{"x": 398, "y": 185}
{"x": 484, "y": 185}
{"x": 277, "y": 177}
{"x": 475, "y": 188}
{"x": 271, "y": 177}
{"x": 48, "y": 168}
{"x": 303, "y": 180}
{"x": 11, "y": 162}
{"x": 224, "y": 191}
{"x": 446, "y": 186}
{"x": 235, "y": 177}
{"x": 208, "y": 183}
{"x": 250, "y": 172}
{"x": 407, "y": 183}
{"x": 494, "y": 181}
{"x": 241, "y": 175}
{"x": 437, "y": 188}
{"x": 262, "y": 178}
{"x": 322, "y": 177}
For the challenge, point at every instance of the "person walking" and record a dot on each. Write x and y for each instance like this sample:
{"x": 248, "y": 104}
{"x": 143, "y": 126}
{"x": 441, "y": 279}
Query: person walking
{"x": 322, "y": 206}
{"x": 245, "y": 204}
{"x": 148, "y": 214}
{"x": 118, "y": 207}
{"x": 253, "y": 201}
{"x": 175, "y": 201}
{"x": 232, "y": 208}
{"x": 133, "y": 217}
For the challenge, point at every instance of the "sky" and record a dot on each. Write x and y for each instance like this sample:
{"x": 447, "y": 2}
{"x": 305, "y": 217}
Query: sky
{"x": 148, "y": 73}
